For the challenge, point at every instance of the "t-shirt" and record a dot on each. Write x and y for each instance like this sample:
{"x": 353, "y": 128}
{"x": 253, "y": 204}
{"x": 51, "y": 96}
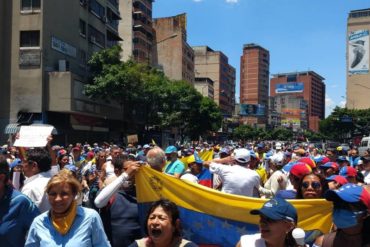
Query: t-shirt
{"x": 237, "y": 180}
{"x": 175, "y": 167}
{"x": 252, "y": 240}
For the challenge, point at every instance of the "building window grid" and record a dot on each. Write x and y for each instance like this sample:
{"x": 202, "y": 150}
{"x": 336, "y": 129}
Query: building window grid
{"x": 29, "y": 38}
{"x": 30, "y": 5}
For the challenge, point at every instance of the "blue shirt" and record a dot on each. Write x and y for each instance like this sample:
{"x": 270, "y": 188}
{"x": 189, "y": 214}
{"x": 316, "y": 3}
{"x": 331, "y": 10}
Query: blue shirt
{"x": 17, "y": 212}
{"x": 87, "y": 230}
{"x": 176, "y": 167}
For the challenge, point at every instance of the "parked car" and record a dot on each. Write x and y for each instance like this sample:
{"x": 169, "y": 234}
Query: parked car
{"x": 364, "y": 145}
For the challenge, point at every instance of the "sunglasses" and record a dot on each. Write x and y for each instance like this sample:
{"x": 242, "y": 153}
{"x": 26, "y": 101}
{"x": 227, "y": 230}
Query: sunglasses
{"x": 315, "y": 185}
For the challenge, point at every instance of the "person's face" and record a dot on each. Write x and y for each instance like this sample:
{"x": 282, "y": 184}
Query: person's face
{"x": 64, "y": 160}
{"x": 60, "y": 197}
{"x": 331, "y": 156}
{"x": 333, "y": 185}
{"x": 328, "y": 172}
{"x": 160, "y": 228}
{"x": 294, "y": 180}
{"x": 273, "y": 230}
{"x": 115, "y": 153}
{"x": 195, "y": 168}
{"x": 311, "y": 187}
{"x": 28, "y": 168}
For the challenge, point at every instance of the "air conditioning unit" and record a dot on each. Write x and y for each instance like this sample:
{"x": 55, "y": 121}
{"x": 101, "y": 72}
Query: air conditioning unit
{"x": 63, "y": 65}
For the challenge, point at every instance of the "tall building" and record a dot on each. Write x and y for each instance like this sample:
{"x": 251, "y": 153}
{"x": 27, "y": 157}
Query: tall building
{"x": 215, "y": 65}
{"x": 172, "y": 53}
{"x": 204, "y": 86}
{"x": 254, "y": 83}
{"x": 307, "y": 85}
{"x": 45, "y": 46}
{"x": 358, "y": 56}
{"x": 136, "y": 27}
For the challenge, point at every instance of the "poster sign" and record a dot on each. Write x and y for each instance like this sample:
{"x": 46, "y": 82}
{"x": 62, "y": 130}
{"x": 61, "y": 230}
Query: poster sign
{"x": 131, "y": 139}
{"x": 63, "y": 47}
{"x": 290, "y": 87}
{"x": 33, "y": 136}
{"x": 358, "y": 52}
{"x": 252, "y": 110}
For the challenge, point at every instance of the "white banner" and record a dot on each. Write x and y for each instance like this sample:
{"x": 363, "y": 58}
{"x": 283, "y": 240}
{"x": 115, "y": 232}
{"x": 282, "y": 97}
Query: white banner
{"x": 358, "y": 52}
{"x": 33, "y": 136}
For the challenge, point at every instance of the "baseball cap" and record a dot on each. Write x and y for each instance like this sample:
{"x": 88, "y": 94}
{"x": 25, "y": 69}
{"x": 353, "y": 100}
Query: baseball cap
{"x": 260, "y": 145}
{"x": 146, "y": 146}
{"x": 76, "y": 149}
{"x": 15, "y": 163}
{"x": 300, "y": 170}
{"x": 278, "y": 159}
{"x": 224, "y": 150}
{"x": 277, "y": 209}
{"x": 358, "y": 161}
{"x": 328, "y": 165}
{"x": 308, "y": 161}
{"x": 341, "y": 159}
{"x": 71, "y": 167}
{"x": 337, "y": 178}
{"x": 348, "y": 171}
{"x": 350, "y": 193}
{"x": 322, "y": 160}
{"x": 278, "y": 145}
{"x": 242, "y": 155}
{"x": 170, "y": 149}
{"x": 299, "y": 151}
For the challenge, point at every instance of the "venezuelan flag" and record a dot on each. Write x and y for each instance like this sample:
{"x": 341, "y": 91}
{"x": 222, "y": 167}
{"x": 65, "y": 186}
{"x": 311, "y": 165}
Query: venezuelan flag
{"x": 210, "y": 217}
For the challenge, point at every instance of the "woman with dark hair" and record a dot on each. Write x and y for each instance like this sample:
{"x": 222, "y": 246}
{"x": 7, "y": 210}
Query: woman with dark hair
{"x": 163, "y": 227}
{"x": 63, "y": 160}
{"x": 311, "y": 186}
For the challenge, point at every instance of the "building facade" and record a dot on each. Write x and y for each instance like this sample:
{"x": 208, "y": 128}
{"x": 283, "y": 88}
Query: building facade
{"x": 172, "y": 53}
{"x": 254, "y": 83}
{"x": 204, "y": 86}
{"x": 45, "y": 49}
{"x": 136, "y": 26}
{"x": 306, "y": 85}
{"x": 215, "y": 65}
{"x": 357, "y": 57}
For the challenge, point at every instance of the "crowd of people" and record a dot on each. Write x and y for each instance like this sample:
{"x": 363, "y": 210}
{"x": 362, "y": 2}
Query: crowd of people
{"x": 85, "y": 194}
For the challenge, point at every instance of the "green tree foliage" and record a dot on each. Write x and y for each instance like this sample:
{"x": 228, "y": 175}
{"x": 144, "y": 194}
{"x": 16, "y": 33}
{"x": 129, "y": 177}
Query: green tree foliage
{"x": 343, "y": 123}
{"x": 166, "y": 103}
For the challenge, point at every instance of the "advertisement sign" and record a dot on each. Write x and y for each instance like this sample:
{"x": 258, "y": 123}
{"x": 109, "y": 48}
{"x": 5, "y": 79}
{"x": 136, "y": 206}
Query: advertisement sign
{"x": 290, "y": 87}
{"x": 358, "y": 52}
{"x": 294, "y": 122}
{"x": 292, "y": 112}
{"x": 63, "y": 47}
{"x": 132, "y": 139}
{"x": 252, "y": 110}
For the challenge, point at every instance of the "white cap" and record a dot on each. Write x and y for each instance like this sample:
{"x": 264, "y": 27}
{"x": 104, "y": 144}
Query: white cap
{"x": 278, "y": 159}
{"x": 278, "y": 145}
{"x": 242, "y": 155}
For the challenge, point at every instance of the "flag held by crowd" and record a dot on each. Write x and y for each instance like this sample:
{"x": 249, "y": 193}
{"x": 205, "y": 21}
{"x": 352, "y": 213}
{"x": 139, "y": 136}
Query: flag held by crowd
{"x": 212, "y": 217}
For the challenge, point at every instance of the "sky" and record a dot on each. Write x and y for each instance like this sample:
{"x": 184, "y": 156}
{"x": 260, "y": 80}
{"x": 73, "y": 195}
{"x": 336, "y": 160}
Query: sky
{"x": 300, "y": 35}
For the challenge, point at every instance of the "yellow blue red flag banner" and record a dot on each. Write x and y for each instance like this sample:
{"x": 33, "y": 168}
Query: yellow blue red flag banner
{"x": 211, "y": 217}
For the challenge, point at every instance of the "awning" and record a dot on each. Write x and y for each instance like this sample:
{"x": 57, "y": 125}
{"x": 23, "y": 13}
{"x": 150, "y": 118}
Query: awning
{"x": 14, "y": 128}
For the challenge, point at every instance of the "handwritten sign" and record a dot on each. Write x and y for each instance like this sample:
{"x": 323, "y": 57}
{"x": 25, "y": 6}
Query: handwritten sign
{"x": 33, "y": 136}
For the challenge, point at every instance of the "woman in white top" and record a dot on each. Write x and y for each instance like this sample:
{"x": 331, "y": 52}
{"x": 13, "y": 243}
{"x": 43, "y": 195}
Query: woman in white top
{"x": 277, "y": 181}
{"x": 278, "y": 218}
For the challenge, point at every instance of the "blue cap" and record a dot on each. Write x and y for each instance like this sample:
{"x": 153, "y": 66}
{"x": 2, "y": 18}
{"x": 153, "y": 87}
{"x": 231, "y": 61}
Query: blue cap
{"x": 277, "y": 209}
{"x": 350, "y": 193}
{"x": 342, "y": 158}
{"x": 71, "y": 167}
{"x": 289, "y": 166}
{"x": 170, "y": 149}
{"x": 260, "y": 145}
{"x": 225, "y": 150}
{"x": 253, "y": 154}
{"x": 15, "y": 163}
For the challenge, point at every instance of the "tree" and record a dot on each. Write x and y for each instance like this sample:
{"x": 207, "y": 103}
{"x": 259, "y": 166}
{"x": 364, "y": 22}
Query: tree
{"x": 244, "y": 132}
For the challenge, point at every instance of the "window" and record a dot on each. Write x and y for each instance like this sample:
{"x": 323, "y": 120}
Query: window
{"x": 97, "y": 9}
{"x": 82, "y": 28}
{"x": 29, "y": 5}
{"x": 29, "y": 39}
{"x": 96, "y": 37}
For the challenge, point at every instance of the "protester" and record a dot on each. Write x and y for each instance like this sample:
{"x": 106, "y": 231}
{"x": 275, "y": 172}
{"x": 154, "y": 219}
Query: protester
{"x": 175, "y": 167}
{"x": 163, "y": 227}
{"x": 336, "y": 181}
{"x": 17, "y": 211}
{"x": 37, "y": 169}
{"x": 107, "y": 170}
{"x": 278, "y": 218}
{"x": 118, "y": 204}
{"x": 66, "y": 223}
{"x": 366, "y": 171}
{"x": 350, "y": 216}
{"x": 311, "y": 186}
{"x": 237, "y": 179}
{"x": 278, "y": 180}
{"x": 156, "y": 158}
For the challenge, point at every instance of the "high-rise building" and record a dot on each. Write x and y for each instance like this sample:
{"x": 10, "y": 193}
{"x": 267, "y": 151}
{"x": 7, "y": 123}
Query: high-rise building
{"x": 172, "y": 53}
{"x": 136, "y": 26}
{"x": 44, "y": 50}
{"x": 358, "y": 56}
{"x": 254, "y": 83}
{"x": 306, "y": 85}
{"x": 215, "y": 65}
{"x": 204, "y": 86}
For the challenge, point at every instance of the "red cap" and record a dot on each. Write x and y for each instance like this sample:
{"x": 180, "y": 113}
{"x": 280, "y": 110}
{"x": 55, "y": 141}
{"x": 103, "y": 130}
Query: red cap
{"x": 90, "y": 155}
{"x": 300, "y": 169}
{"x": 348, "y": 171}
{"x": 308, "y": 161}
{"x": 76, "y": 149}
{"x": 337, "y": 178}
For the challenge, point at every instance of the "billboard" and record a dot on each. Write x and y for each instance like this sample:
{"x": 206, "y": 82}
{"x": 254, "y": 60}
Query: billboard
{"x": 358, "y": 52}
{"x": 290, "y": 87}
{"x": 291, "y": 122}
{"x": 252, "y": 110}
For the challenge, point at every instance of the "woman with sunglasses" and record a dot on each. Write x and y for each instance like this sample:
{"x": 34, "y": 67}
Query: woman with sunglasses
{"x": 311, "y": 186}
{"x": 351, "y": 217}
{"x": 278, "y": 218}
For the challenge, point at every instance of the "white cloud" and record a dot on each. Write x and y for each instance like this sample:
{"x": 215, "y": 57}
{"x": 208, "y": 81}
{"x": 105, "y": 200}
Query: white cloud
{"x": 232, "y": 1}
{"x": 342, "y": 104}
{"x": 329, "y": 105}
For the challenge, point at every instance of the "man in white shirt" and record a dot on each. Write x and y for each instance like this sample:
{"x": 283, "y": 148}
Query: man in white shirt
{"x": 237, "y": 179}
{"x": 37, "y": 169}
